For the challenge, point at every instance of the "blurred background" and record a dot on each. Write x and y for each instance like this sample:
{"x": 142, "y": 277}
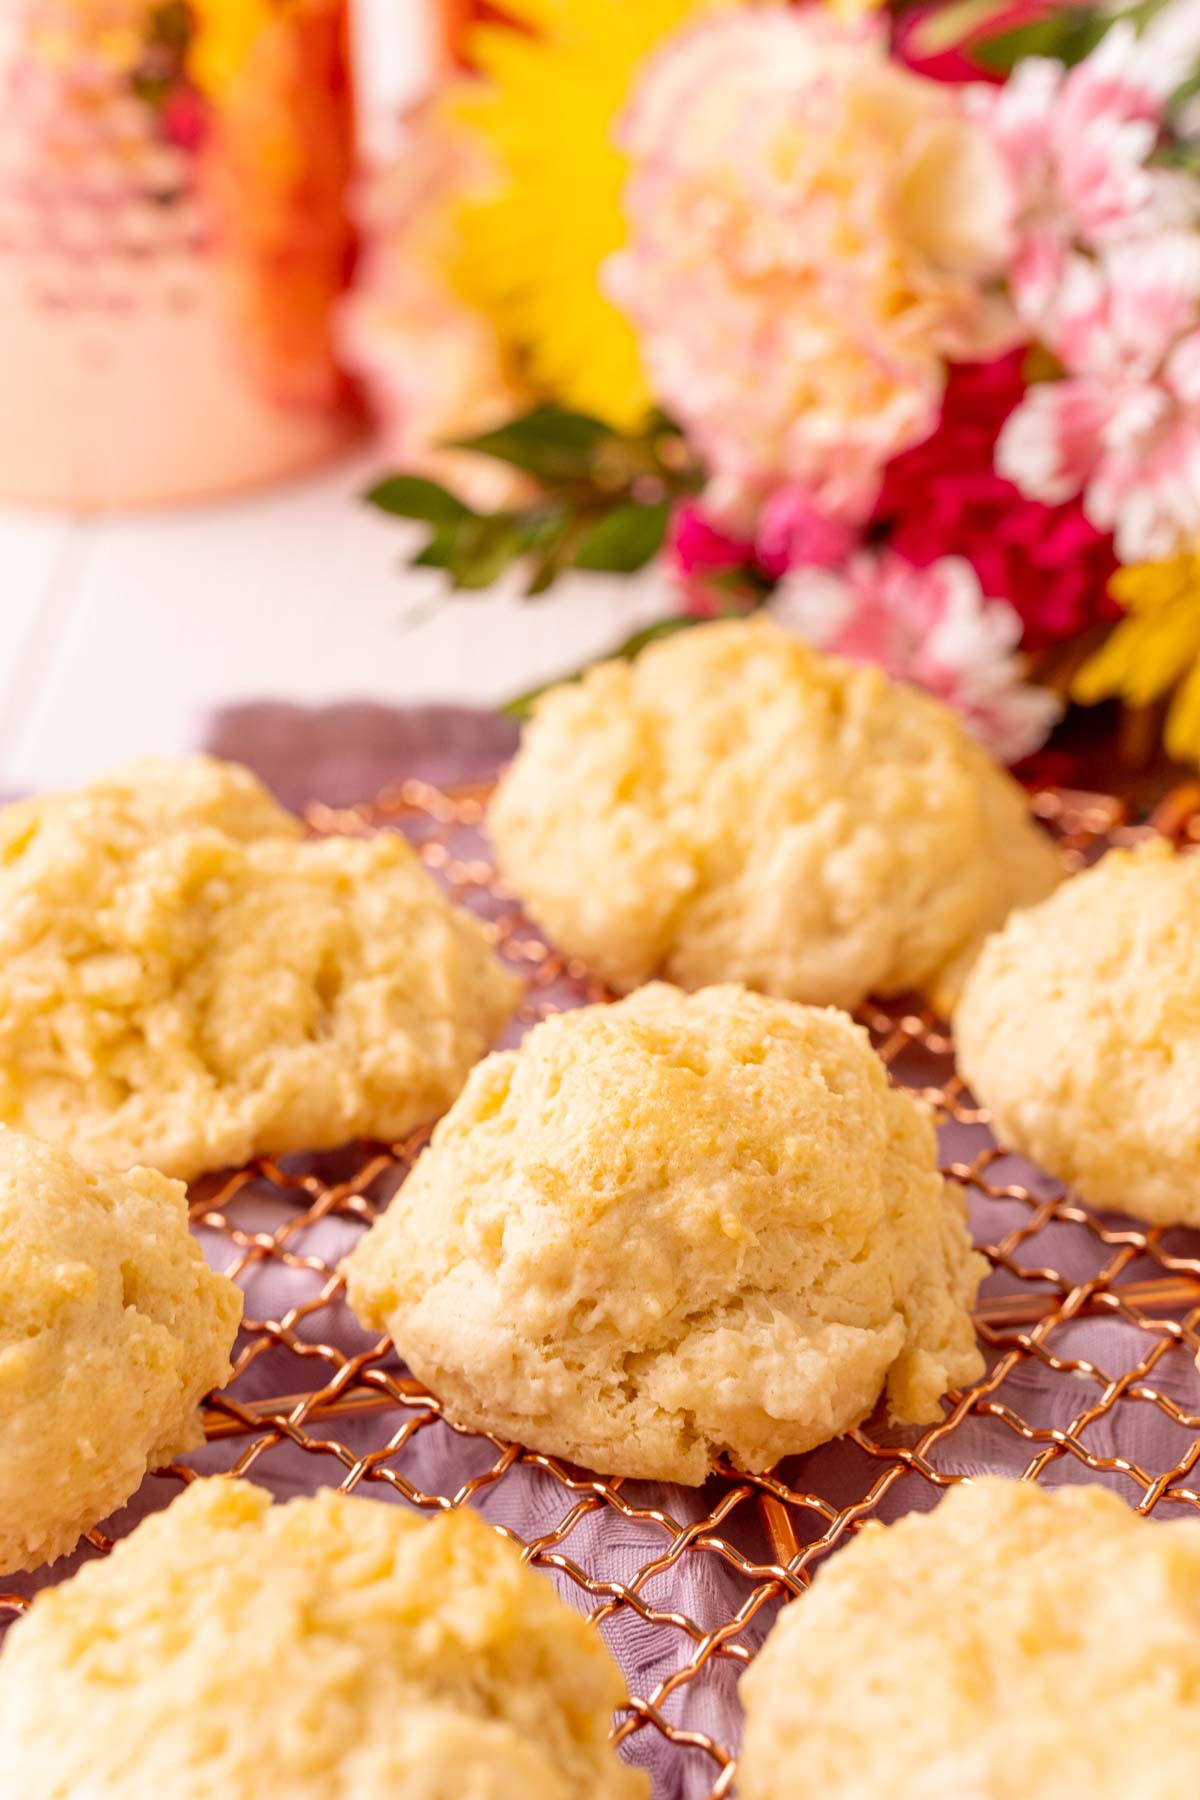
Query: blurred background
{"x": 411, "y": 350}
{"x": 184, "y": 439}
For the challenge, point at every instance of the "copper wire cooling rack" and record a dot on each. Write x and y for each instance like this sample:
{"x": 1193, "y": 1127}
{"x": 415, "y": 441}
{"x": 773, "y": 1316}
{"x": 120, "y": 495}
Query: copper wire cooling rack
{"x": 314, "y": 1402}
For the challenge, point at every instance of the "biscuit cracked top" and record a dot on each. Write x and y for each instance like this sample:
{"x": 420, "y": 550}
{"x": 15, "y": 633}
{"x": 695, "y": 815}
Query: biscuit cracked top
{"x": 112, "y": 1328}
{"x": 675, "y": 1227}
{"x": 1017, "y": 1643}
{"x": 733, "y": 806}
{"x": 187, "y": 980}
{"x": 1079, "y": 1029}
{"x": 329, "y": 1649}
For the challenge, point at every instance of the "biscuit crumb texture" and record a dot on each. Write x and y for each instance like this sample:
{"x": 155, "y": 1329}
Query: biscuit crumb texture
{"x": 1079, "y": 1029}
{"x": 734, "y": 806}
{"x": 1016, "y": 1642}
{"x": 673, "y": 1228}
{"x": 112, "y": 1330}
{"x": 187, "y": 981}
{"x": 327, "y": 1649}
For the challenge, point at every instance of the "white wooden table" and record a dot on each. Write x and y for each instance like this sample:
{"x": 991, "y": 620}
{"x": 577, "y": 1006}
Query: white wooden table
{"x": 117, "y": 634}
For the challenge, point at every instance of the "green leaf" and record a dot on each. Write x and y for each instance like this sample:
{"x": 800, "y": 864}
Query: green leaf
{"x": 522, "y": 706}
{"x": 412, "y": 497}
{"x": 547, "y": 568}
{"x": 439, "y": 550}
{"x": 604, "y": 501}
{"x": 1186, "y": 91}
{"x": 623, "y": 539}
{"x": 483, "y": 550}
{"x": 171, "y": 25}
{"x": 1040, "y": 364}
{"x": 1142, "y": 11}
{"x": 1067, "y": 36}
{"x": 946, "y": 27}
{"x": 743, "y": 588}
{"x": 475, "y": 548}
{"x": 551, "y": 553}
{"x": 551, "y": 444}
{"x": 1178, "y": 156}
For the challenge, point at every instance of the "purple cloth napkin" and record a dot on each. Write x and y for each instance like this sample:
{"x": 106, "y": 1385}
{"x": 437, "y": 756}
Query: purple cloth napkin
{"x": 350, "y": 752}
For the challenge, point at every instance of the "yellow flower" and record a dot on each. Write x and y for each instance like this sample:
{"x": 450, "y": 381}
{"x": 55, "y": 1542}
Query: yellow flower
{"x": 850, "y": 11}
{"x": 223, "y": 36}
{"x": 1156, "y": 648}
{"x": 112, "y": 31}
{"x": 534, "y": 242}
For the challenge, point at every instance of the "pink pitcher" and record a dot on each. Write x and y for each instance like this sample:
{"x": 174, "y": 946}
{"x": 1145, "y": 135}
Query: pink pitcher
{"x": 174, "y": 239}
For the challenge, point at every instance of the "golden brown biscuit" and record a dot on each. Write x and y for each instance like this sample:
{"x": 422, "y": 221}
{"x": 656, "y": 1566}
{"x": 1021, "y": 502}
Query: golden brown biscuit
{"x": 1016, "y": 1644}
{"x": 328, "y": 1649}
{"x": 1079, "y": 1029}
{"x": 112, "y": 1329}
{"x": 734, "y": 806}
{"x": 674, "y": 1228}
{"x": 186, "y": 980}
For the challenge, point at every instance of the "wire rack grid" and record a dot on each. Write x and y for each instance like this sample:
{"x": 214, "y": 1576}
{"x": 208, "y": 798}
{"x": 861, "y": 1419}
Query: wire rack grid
{"x": 313, "y": 1401}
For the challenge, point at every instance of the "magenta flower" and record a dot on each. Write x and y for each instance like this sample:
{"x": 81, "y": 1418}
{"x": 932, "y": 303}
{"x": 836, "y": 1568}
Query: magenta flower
{"x": 793, "y": 533}
{"x": 946, "y": 498}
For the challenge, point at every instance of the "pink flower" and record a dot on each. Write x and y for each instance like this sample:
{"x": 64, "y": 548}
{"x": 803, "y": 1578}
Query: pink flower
{"x": 1077, "y": 145}
{"x": 813, "y": 232}
{"x": 945, "y": 497}
{"x": 1132, "y": 451}
{"x": 932, "y": 627}
{"x": 1123, "y": 429}
{"x": 697, "y": 545}
{"x": 794, "y": 534}
{"x": 698, "y": 550}
{"x": 1119, "y": 315}
{"x": 1106, "y": 273}
{"x": 790, "y": 534}
{"x": 185, "y": 119}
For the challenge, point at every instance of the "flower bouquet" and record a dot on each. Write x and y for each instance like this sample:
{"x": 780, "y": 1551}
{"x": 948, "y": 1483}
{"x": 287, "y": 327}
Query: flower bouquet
{"x": 886, "y": 321}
